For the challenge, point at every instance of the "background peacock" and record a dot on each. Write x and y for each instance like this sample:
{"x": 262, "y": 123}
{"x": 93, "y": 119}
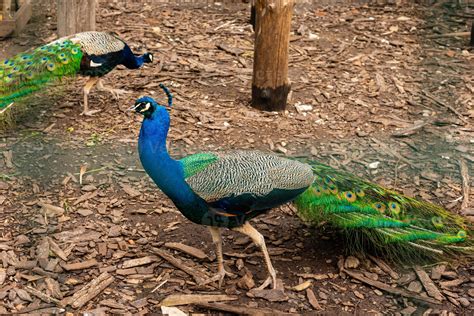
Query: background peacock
{"x": 228, "y": 189}
{"x": 91, "y": 54}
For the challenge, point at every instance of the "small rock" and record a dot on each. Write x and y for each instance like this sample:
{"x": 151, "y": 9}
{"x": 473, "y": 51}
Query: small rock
{"x": 471, "y": 292}
{"x": 85, "y": 212}
{"x": 374, "y": 165}
{"x": 351, "y": 262}
{"x": 408, "y": 311}
{"x": 437, "y": 271}
{"x": 415, "y": 286}
{"x": 378, "y": 292}
{"x": 88, "y": 188}
{"x": 115, "y": 231}
{"x": 359, "y": 295}
{"x": 464, "y": 301}
{"x": 21, "y": 239}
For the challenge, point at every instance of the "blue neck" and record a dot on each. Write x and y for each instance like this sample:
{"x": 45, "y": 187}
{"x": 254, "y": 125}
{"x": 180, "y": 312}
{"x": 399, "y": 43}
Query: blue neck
{"x": 167, "y": 173}
{"x": 130, "y": 60}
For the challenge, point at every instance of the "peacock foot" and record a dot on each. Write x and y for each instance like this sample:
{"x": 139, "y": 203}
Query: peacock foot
{"x": 271, "y": 280}
{"x": 116, "y": 93}
{"x": 220, "y": 275}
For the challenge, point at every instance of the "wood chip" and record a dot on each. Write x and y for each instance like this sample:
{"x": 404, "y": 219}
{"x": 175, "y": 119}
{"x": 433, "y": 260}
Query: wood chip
{"x": 313, "y": 276}
{"x": 385, "y": 267}
{"x": 428, "y": 284}
{"x": 302, "y": 286}
{"x": 272, "y": 295}
{"x": 452, "y": 283}
{"x": 138, "y": 262}
{"x": 185, "y": 299}
{"x": 187, "y": 249}
{"x": 56, "y": 249}
{"x": 79, "y": 265}
{"x": 312, "y": 299}
{"x": 89, "y": 291}
{"x": 42, "y": 296}
{"x": 130, "y": 191}
{"x": 51, "y": 210}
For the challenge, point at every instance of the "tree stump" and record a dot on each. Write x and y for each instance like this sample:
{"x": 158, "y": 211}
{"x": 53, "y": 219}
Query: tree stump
{"x": 75, "y": 16}
{"x": 270, "y": 85}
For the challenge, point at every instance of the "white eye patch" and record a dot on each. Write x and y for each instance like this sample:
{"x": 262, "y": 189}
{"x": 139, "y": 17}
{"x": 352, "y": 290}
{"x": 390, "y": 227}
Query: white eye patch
{"x": 151, "y": 57}
{"x": 146, "y": 108}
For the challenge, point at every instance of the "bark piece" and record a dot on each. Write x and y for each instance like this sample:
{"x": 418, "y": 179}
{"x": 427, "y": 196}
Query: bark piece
{"x": 90, "y": 290}
{"x": 139, "y": 262}
{"x": 187, "y": 249}
{"x": 185, "y": 299}
{"x": 428, "y": 284}
{"x": 199, "y": 276}
{"x": 79, "y": 265}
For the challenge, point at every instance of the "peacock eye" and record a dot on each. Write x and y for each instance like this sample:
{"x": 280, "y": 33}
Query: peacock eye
{"x": 146, "y": 107}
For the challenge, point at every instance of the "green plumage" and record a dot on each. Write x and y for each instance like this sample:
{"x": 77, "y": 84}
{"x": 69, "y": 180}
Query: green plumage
{"x": 30, "y": 71}
{"x": 194, "y": 163}
{"x": 382, "y": 219}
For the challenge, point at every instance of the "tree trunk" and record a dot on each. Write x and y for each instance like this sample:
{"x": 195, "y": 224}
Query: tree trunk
{"x": 75, "y": 16}
{"x": 270, "y": 85}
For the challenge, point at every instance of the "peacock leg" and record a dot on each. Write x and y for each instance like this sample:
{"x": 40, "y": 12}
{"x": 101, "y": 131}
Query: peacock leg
{"x": 87, "y": 89}
{"x": 259, "y": 240}
{"x": 221, "y": 272}
{"x": 116, "y": 93}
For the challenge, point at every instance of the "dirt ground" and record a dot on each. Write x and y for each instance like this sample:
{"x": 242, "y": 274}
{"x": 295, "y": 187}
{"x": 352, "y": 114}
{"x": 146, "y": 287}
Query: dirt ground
{"x": 389, "y": 99}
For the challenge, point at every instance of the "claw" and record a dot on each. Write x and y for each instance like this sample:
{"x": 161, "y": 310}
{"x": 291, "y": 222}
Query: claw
{"x": 220, "y": 275}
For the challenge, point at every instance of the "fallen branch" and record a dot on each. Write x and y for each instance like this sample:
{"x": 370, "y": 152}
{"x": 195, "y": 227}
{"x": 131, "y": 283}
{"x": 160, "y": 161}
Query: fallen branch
{"x": 185, "y": 299}
{"x": 387, "y": 288}
{"x": 242, "y": 310}
{"x": 454, "y": 34}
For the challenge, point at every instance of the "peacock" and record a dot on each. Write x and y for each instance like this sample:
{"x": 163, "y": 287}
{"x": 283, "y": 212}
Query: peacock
{"x": 92, "y": 54}
{"x": 227, "y": 189}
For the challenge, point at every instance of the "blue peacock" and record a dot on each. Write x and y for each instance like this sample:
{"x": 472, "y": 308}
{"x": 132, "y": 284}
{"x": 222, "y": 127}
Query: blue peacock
{"x": 227, "y": 189}
{"x": 92, "y": 54}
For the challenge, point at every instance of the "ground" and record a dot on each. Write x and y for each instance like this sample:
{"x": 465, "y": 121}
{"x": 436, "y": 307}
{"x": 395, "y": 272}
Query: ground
{"x": 374, "y": 92}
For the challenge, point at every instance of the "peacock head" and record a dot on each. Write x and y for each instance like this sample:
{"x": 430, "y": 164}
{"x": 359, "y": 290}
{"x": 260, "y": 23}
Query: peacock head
{"x": 147, "y": 106}
{"x": 148, "y": 58}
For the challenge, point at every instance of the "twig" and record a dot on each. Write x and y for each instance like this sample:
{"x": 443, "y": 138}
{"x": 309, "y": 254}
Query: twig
{"x": 158, "y": 286}
{"x": 44, "y": 297}
{"x": 465, "y": 184}
{"x": 392, "y": 152}
{"x": 198, "y": 276}
{"x": 387, "y": 288}
{"x": 430, "y": 97}
{"x": 454, "y": 34}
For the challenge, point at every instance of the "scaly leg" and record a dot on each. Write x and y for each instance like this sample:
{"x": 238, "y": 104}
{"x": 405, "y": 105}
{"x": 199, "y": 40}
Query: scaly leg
{"x": 87, "y": 89}
{"x": 221, "y": 272}
{"x": 115, "y": 92}
{"x": 258, "y": 239}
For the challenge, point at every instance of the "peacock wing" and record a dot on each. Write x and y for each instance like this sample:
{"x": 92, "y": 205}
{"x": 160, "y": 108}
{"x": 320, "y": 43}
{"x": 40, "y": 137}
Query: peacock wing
{"x": 246, "y": 179}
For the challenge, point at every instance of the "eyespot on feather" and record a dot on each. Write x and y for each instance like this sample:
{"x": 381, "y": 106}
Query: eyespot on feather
{"x": 462, "y": 234}
{"x": 378, "y": 206}
{"x": 359, "y": 192}
{"x": 50, "y": 67}
{"x": 437, "y": 222}
{"x": 349, "y": 196}
{"x": 394, "y": 208}
{"x": 333, "y": 189}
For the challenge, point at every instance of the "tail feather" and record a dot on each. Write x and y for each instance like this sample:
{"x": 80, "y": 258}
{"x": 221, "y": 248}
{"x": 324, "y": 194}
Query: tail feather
{"x": 382, "y": 219}
{"x": 28, "y": 72}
